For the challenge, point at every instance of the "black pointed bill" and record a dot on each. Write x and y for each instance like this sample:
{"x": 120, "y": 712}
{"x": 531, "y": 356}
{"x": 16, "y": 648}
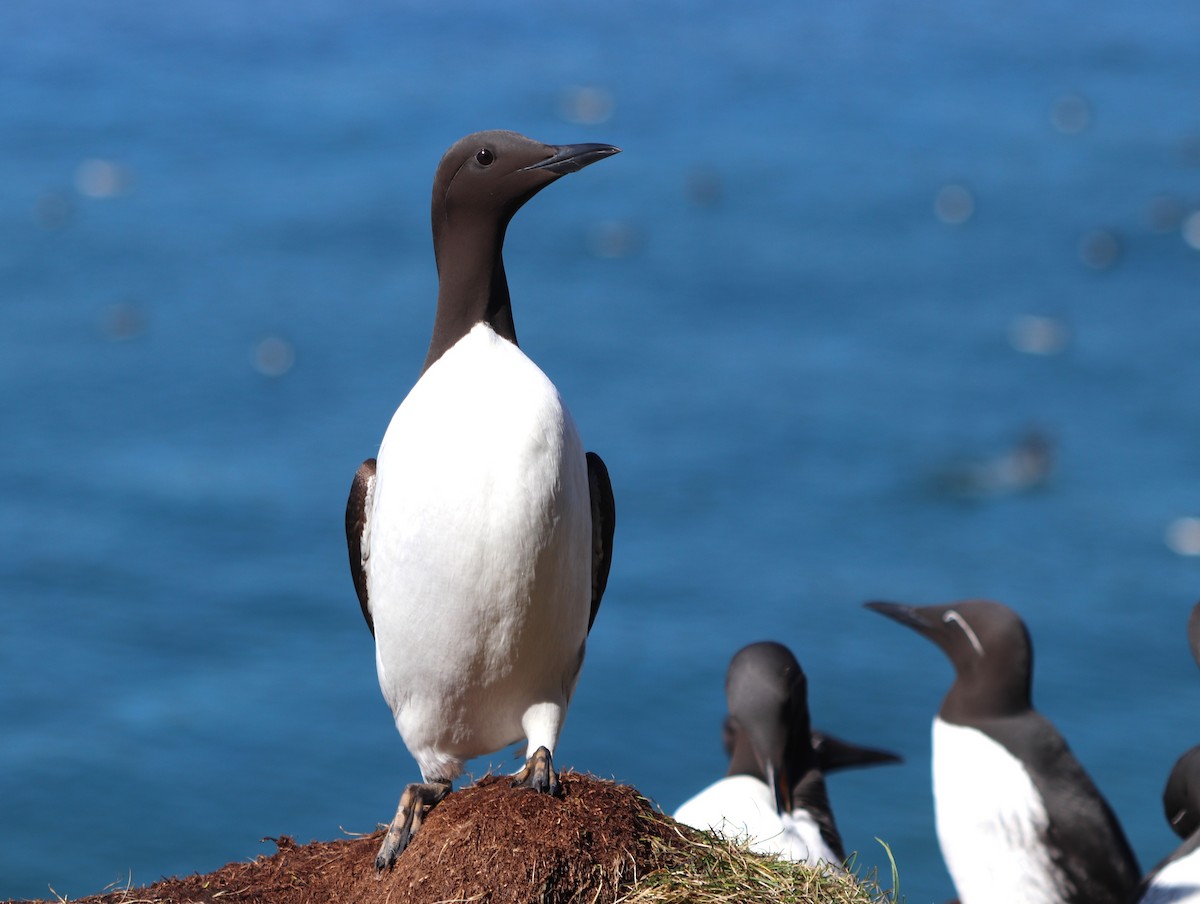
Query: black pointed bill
{"x": 905, "y": 615}
{"x": 570, "y": 158}
{"x": 834, "y": 754}
{"x": 780, "y": 785}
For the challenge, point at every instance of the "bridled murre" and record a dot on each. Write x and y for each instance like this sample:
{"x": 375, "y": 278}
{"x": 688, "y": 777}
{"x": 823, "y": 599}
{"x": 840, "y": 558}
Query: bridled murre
{"x": 774, "y": 796}
{"x": 480, "y": 537}
{"x": 1018, "y": 818}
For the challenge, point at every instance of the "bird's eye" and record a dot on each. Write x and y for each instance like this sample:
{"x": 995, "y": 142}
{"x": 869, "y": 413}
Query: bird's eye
{"x": 484, "y": 157}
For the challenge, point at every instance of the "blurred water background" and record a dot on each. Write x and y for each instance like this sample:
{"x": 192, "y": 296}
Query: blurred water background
{"x": 881, "y": 301}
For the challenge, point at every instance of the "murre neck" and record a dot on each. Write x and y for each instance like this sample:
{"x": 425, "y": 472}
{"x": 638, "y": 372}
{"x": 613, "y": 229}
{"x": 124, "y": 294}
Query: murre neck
{"x": 480, "y": 184}
{"x": 472, "y": 286}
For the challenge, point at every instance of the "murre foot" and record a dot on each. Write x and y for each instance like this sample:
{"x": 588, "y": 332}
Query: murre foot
{"x": 415, "y": 802}
{"x": 539, "y": 774}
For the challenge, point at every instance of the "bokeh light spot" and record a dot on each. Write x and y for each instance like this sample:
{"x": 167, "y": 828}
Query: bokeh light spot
{"x": 1164, "y": 213}
{"x": 123, "y": 320}
{"x": 954, "y": 204}
{"x": 703, "y": 186}
{"x": 612, "y": 238}
{"x": 586, "y": 105}
{"x": 102, "y": 179}
{"x": 1183, "y": 536}
{"x": 1038, "y": 335}
{"x": 1190, "y": 227}
{"x": 1071, "y": 114}
{"x": 1100, "y": 249}
{"x": 274, "y": 356}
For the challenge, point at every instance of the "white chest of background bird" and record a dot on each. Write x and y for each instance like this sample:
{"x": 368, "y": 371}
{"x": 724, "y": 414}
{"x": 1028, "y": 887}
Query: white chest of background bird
{"x": 991, "y": 822}
{"x": 743, "y": 807}
{"x": 1176, "y": 883}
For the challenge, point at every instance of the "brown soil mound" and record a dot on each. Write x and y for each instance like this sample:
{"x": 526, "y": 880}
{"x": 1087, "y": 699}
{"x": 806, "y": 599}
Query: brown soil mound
{"x": 488, "y": 843}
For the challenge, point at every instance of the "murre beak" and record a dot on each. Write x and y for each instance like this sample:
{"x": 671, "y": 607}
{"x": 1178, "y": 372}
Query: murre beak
{"x": 780, "y": 784}
{"x": 570, "y": 158}
{"x": 905, "y": 615}
{"x": 769, "y": 742}
{"x": 760, "y": 747}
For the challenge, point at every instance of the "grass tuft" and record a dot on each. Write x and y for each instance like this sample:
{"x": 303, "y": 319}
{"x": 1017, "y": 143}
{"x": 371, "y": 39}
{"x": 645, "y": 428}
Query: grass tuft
{"x": 702, "y": 868}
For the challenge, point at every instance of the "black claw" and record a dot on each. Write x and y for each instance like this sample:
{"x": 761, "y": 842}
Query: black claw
{"x": 391, "y": 849}
{"x": 539, "y": 774}
{"x": 415, "y": 802}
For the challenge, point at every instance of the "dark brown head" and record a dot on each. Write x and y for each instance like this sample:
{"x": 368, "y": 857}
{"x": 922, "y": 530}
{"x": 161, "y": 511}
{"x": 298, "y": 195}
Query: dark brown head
{"x": 768, "y": 723}
{"x": 1181, "y": 797}
{"x": 487, "y": 176}
{"x": 481, "y": 182}
{"x": 989, "y": 647}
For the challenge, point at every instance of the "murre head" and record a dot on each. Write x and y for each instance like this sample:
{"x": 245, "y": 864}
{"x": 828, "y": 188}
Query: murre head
{"x": 1181, "y": 797}
{"x": 990, "y": 649}
{"x": 768, "y": 723}
{"x": 481, "y": 182}
{"x": 487, "y": 176}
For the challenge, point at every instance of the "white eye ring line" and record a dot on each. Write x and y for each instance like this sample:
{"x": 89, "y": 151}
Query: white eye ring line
{"x": 952, "y": 615}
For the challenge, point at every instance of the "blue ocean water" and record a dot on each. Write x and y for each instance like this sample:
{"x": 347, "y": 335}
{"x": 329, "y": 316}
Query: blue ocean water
{"x": 850, "y": 251}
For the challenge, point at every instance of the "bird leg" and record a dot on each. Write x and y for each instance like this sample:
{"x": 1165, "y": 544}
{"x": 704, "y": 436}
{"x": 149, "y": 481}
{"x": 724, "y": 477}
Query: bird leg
{"x": 539, "y": 774}
{"x": 415, "y": 802}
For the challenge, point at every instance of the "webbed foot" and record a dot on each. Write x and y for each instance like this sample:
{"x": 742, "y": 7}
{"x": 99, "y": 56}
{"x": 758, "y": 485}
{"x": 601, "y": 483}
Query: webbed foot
{"x": 539, "y": 774}
{"x": 415, "y": 803}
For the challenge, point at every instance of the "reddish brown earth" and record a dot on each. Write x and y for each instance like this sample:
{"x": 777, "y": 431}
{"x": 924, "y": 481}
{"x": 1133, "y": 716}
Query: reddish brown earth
{"x": 488, "y": 843}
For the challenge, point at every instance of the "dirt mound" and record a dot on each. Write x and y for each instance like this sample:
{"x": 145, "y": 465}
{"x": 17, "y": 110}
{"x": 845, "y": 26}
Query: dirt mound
{"x": 488, "y": 843}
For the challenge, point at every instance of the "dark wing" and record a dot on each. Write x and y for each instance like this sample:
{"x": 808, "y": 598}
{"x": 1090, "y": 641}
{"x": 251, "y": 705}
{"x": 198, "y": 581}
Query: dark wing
{"x": 604, "y": 520}
{"x": 357, "y": 506}
{"x": 1084, "y": 839}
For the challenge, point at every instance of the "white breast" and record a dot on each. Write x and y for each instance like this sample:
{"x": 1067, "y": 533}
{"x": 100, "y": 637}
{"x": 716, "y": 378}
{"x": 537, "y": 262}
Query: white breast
{"x": 1177, "y": 883}
{"x": 479, "y": 568}
{"x": 991, "y": 821}
{"x": 742, "y": 808}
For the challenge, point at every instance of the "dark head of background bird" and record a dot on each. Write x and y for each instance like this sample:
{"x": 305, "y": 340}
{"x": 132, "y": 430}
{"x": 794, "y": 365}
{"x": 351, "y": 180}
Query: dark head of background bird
{"x": 1181, "y": 797}
{"x": 990, "y": 648}
{"x": 768, "y": 722}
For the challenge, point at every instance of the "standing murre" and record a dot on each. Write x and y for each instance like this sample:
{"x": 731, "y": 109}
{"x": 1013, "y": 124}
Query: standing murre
{"x": 1018, "y": 818}
{"x": 480, "y": 538}
{"x": 773, "y": 796}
